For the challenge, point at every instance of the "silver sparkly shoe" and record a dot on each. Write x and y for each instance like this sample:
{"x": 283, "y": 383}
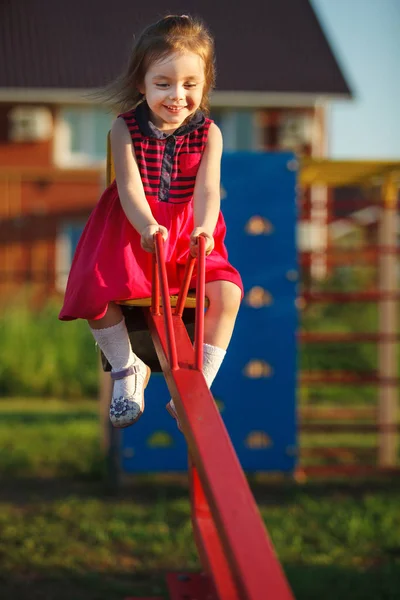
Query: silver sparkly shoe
{"x": 125, "y": 411}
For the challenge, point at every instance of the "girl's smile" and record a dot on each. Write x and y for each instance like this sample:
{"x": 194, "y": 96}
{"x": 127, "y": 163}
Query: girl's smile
{"x": 174, "y": 109}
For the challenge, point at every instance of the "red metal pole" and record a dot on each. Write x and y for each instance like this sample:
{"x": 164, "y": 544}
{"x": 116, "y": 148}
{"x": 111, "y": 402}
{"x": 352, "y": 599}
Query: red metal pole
{"x": 167, "y": 312}
{"x": 200, "y": 295}
{"x": 183, "y": 292}
{"x": 155, "y": 290}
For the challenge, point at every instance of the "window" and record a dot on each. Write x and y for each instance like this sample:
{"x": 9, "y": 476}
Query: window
{"x": 81, "y": 136}
{"x": 239, "y": 128}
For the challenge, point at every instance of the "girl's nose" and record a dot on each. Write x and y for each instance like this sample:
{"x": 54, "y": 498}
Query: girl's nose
{"x": 175, "y": 93}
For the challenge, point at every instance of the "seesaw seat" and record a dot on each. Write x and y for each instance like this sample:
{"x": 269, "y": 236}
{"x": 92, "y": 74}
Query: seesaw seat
{"x": 139, "y": 334}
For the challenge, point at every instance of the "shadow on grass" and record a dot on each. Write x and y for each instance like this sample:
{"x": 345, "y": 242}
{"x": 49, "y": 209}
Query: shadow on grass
{"x": 151, "y": 488}
{"x": 308, "y": 582}
{"x": 317, "y": 582}
{"x": 91, "y": 585}
{"x": 286, "y": 491}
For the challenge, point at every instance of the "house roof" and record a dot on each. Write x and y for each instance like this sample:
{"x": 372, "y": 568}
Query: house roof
{"x": 273, "y": 46}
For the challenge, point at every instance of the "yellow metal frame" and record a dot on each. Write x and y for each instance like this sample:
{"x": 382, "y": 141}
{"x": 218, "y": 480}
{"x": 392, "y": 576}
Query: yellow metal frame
{"x": 340, "y": 173}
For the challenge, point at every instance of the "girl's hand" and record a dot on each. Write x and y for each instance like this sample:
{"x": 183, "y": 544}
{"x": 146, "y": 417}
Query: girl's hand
{"x": 147, "y": 236}
{"x": 194, "y": 241}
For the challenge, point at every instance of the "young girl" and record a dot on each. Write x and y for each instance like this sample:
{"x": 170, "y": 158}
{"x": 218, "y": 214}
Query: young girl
{"x": 167, "y": 157}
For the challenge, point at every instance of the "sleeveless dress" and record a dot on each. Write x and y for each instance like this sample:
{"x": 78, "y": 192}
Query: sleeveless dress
{"x": 109, "y": 263}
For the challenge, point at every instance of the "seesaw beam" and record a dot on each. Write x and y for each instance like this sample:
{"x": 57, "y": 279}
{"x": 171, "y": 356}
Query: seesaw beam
{"x": 233, "y": 543}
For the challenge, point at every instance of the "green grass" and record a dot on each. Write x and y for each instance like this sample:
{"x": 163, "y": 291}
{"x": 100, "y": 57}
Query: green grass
{"x": 49, "y": 439}
{"x": 63, "y": 538}
{"x": 41, "y": 356}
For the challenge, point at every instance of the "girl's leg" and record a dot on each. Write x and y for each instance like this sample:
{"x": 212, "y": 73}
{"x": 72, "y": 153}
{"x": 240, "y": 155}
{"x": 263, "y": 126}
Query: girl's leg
{"x": 224, "y": 298}
{"x": 224, "y": 301}
{"x": 130, "y": 374}
{"x": 112, "y": 317}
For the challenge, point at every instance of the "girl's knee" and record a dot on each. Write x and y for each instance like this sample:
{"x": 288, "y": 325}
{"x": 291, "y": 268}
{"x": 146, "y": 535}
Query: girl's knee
{"x": 112, "y": 317}
{"x": 224, "y": 296}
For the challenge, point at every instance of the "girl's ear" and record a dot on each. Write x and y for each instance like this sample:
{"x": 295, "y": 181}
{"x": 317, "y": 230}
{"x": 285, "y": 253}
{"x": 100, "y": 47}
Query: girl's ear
{"x": 141, "y": 88}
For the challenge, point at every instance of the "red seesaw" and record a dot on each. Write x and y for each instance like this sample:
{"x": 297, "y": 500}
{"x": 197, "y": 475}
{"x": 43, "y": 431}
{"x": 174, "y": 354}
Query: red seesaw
{"x": 237, "y": 556}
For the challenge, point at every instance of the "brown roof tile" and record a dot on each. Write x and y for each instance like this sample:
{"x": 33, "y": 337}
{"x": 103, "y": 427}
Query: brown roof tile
{"x": 262, "y": 45}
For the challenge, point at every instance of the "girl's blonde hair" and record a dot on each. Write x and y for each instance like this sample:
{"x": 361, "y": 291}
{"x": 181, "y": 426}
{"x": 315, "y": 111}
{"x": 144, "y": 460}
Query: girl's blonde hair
{"x": 170, "y": 34}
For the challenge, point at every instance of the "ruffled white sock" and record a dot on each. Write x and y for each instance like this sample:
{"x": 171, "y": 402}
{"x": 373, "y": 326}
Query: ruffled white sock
{"x": 115, "y": 344}
{"x": 212, "y": 361}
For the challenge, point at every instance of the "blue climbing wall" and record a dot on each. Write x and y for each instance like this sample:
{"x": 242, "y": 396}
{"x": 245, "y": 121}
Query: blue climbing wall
{"x": 256, "y": 386}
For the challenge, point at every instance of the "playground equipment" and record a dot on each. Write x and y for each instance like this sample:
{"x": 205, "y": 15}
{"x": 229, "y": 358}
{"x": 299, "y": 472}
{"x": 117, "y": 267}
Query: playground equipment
{"x": 354, "y": 207}
{"x": 236, "y": 554}
{"x": 234, "y": 548}
{"x": 259, "y": 206}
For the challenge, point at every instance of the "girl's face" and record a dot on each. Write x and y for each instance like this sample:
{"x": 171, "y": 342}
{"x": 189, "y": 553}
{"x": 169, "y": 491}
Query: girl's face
{"x": 173, "y": 88}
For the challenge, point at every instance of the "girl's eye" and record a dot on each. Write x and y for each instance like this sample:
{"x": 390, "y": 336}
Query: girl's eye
{"x": 164, "y": 86}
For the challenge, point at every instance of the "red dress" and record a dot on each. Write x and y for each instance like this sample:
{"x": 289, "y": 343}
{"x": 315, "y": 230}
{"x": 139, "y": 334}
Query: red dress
{"x": 109, "y": 263}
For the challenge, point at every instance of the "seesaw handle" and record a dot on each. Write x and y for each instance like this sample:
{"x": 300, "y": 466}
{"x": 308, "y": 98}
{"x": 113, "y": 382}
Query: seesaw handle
{"x": 160, "y": 279}
{"x": 200, "y": 296}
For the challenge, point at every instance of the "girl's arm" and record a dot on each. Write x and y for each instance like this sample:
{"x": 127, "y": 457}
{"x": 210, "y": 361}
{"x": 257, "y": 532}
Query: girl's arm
{"x": 207, "y": 197}
{"x": 130, "y": 186}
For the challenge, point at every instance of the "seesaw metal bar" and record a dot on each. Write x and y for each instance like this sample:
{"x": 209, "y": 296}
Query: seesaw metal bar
{"x": 183, "y": 292}
{"x": 233, "y": 543}
{"x": 207, "y": 539}
{"x": 200, "y": 296}
{"x": 161, "y": 278}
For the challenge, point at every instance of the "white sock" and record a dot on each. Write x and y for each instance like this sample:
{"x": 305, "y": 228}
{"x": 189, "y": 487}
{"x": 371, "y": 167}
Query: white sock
{"x": 115, "y": 344}
{"x": 212, "y": 360}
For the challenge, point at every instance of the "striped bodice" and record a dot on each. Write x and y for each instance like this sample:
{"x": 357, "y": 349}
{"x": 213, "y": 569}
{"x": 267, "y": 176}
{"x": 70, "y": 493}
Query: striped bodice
{"x": 168, "y": 164}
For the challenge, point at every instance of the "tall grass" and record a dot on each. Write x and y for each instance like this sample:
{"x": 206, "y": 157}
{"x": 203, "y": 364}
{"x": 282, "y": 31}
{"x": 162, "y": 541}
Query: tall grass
{"x": 42, "y": 356}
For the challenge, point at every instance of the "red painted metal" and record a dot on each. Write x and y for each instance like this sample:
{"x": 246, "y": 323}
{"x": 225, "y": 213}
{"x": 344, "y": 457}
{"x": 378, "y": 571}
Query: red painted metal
{"x": 368, "y": 296}
{"x": 155, "y": 291}
{"x": 167, "y": 312}
{"x": 357, "y": 470}
{"x": 349, "y": 427}
{"x": 317, "y": 337}
{"x": 354, "y": 256}
{"x": 183, "y": 292}
{"x": 345, "y": 377}
{"x": 200, "y": 296}
{"x": 207, "y": 539}
{"x": 233, "y": 543}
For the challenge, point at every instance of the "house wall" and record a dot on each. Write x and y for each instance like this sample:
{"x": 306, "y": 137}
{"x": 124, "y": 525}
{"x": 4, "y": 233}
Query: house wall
{"x": 36, "y": 201}
{"x": 38, "y": 154}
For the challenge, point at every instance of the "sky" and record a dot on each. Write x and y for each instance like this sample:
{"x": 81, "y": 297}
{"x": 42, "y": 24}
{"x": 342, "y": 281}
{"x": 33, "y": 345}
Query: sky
{"x": 365, "y": 38}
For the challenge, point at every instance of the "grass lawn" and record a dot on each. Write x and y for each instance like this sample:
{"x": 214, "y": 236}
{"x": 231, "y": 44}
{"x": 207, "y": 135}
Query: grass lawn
{"x": 62, "y": 538}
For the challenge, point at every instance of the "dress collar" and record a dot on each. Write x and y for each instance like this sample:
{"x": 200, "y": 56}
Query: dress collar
{"x": 148, "y": 129}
